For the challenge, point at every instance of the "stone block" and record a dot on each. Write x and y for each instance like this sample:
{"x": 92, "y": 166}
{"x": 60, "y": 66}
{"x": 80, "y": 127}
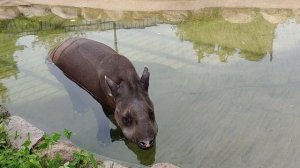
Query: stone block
{"x": 20, "y": 130}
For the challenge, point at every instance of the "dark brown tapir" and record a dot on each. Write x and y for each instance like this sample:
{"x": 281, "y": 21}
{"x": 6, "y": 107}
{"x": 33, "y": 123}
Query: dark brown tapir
{"x": 113, "y": 81}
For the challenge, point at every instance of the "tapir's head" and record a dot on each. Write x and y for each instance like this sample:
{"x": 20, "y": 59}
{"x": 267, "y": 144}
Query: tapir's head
{"x": 134, "y": 111}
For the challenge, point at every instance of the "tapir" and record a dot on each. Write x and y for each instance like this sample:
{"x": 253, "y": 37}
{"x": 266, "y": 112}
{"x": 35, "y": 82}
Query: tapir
{"x": 113, "y": 81}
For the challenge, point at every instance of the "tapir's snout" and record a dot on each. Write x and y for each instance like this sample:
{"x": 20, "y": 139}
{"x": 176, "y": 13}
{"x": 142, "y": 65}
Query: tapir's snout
{"x": 147, "y": 143}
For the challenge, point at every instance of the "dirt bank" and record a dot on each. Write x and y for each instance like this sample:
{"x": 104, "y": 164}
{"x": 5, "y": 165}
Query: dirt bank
{"x": 147, "y": 5}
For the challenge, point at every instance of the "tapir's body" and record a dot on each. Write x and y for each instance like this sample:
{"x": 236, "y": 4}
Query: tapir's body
{"x": 113, "y": 81}
{"x": 86, "y": 62}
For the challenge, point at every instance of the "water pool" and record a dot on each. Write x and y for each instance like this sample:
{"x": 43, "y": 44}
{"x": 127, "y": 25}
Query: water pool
{"x": 225, "y": 83}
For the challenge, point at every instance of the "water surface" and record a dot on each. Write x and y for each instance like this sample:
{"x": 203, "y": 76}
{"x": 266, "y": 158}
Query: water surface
{"x": 225, "y": 83}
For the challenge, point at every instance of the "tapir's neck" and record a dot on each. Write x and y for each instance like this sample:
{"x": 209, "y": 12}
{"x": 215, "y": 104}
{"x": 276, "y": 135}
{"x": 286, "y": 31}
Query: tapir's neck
{"x": 131, "y": 80}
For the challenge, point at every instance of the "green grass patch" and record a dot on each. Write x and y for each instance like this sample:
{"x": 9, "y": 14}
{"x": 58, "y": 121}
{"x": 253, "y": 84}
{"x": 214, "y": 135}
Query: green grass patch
{"x": 26, "y": 158}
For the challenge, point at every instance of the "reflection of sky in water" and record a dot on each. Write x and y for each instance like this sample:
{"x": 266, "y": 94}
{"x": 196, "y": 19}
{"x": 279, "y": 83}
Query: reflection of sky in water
{"x": 154, "y": 44}
{"x": 287, "y": 38}
{"x": 236, "y": 114}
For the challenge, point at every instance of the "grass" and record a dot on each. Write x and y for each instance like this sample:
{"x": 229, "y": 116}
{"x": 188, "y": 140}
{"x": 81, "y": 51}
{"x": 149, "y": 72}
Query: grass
{"x": 27, "y": 158}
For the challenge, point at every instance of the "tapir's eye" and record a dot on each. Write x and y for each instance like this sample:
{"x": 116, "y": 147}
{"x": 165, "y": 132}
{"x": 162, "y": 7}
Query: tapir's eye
{"x": 127, "y": 120}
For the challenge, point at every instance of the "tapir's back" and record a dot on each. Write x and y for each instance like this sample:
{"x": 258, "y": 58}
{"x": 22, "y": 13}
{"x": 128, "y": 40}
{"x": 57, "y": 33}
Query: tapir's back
{"x": 78, "y": 47}
{"x": 79, "y": 59}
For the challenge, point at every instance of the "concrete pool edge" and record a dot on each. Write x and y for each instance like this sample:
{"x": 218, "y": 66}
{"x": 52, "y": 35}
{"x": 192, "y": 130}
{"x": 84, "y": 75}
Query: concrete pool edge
{"x": 18, "y": 125}
{"x": 160, "y": 5}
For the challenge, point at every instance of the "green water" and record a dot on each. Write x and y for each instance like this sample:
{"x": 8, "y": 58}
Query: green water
{"x": 225, "y": 86}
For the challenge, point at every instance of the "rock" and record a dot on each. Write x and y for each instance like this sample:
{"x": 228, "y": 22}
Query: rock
{"x": 143, "y": 15}
{"x": 13, "y": 2}
{"x": 296, "y": 12}
{"x": 18, "y": 130}
{"x": 175, "y": 16}
{"x": 31, "y": 11}
{"x": 111, "y": 164}
{"x": 276, "y": 15}
{"x": 164, "y": 165}
{"x": 3, "y": 112}
{"x": 114, "y": 15}
{"x": 238, "y": 15}
{"x": 91, "y": 14}
{"x": 64, "y": 148}
{"x": 198, "y": 12}
{"x": 8, "y": 12}
{"x": 65, "y": 12}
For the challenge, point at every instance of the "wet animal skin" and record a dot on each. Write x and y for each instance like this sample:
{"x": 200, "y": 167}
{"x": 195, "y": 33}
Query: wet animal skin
{"x": 113, "y": 81}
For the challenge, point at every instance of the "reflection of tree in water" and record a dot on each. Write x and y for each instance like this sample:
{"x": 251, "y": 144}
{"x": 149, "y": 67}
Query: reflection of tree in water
{"x": 55, "y": 27}
{"x": 49, "y": 30}
{"x": 211, "y": 34}
{"x": 8, "y": 66}
{"x": 11, "y": 30}
{"x": 52, "y": 38}
{"x": 58, "y": 30}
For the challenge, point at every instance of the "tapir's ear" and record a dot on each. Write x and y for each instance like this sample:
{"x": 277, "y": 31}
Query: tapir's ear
{"x": 145, "y": 78}
{"x": 112, "y": 88}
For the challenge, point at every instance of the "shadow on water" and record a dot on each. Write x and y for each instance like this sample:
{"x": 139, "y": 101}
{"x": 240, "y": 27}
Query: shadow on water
{"x": 82, "y": 102}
